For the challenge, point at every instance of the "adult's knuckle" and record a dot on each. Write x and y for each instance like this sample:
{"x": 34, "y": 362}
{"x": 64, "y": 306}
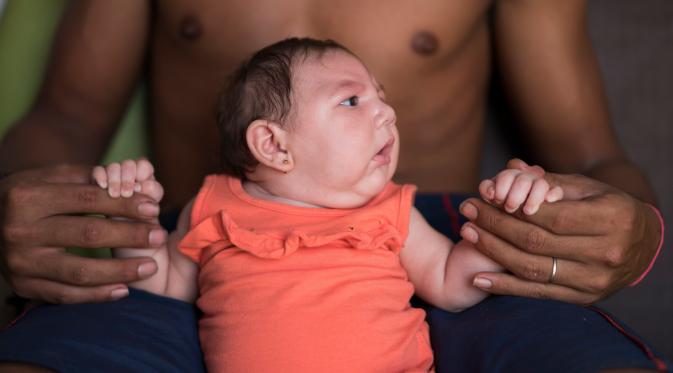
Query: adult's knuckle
{"x": 90, "y": 233}
{"x": 87, "y": 196}
{"x": 598, "y": 284}
{"x": 14, "y": 233}
{"x": 535, "y": 240}
{"x": 18, "y": 195}
{"x": 79, "y": 276}
{"x": 15, "y": 264}
{"x": 532, "y": 271}
{"x": 537, "y": 292}
{"x": 614, "y": 256}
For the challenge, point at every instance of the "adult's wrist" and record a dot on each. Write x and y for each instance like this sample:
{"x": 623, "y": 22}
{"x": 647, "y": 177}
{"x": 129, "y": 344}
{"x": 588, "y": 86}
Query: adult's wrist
{"x": 661, "y": 244}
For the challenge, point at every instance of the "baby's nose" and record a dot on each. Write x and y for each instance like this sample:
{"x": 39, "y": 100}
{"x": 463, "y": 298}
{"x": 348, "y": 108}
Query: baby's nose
{"x": 386, "y": 116}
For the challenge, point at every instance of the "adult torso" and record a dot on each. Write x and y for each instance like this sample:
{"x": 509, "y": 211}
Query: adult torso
{"x": 432, "y": 58}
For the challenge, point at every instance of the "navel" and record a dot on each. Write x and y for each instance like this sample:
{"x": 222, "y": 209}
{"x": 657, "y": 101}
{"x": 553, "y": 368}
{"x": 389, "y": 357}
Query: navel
{"x": 190, "y": 28}
{"x": 424, "y": 43}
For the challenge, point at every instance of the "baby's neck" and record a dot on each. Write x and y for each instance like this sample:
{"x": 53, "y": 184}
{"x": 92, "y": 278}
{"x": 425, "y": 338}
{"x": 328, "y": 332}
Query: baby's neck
{"x": 259, "y": 191}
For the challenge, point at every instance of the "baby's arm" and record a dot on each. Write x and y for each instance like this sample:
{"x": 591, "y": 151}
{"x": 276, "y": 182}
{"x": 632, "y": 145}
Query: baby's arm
{"x": 442, "y": 273}
{"x": 176, "y": 274}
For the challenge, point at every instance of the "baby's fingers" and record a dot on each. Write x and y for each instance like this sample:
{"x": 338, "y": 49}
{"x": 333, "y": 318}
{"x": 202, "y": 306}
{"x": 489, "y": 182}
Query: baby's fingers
{"x": 487, "y": 189}
{"x": 503, "y": 184}
{"x": 537, "y": 195}
{"x": 519, "y": 192}
{"x": 153, "y": 189}
{"x": 114, "y": 172}
{"x": 555, "y": 194}
{"x": 128, "y": 177}
{"x": 99, "y": 176}
{"x": 145, "y": 170}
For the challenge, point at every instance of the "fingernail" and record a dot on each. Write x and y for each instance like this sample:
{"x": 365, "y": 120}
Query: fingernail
{"x": 148, "y": 209}
{"x": 127, "y": 193}
{"x": 147, "y": 269}
{"x": 470, "y": 234}
{"x": 469, "y": 210}
{"x": 529, "y": 210}
{"x": 157, "y": 237}
{"x": 482, "y": 283}
{"x": 119, "y": 293}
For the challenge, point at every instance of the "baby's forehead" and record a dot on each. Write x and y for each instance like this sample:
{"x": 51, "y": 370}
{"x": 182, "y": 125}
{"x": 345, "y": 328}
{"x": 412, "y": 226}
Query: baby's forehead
{"x": 331, "y": 71}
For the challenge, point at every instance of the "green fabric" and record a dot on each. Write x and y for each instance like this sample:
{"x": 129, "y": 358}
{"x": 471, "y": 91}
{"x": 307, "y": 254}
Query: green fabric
{"x": 26, "y": 32}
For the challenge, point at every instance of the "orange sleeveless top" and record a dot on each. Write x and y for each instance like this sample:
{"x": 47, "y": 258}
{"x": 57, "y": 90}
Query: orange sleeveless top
{"x": 297, "y": 289}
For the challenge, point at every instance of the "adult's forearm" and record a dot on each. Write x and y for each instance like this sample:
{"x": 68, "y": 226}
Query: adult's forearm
{"x": 41, "y": 139}
{"x": 623, "y": 174}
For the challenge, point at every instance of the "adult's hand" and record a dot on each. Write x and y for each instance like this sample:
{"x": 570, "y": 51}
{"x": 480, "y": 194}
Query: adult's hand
{"x": 43, "y": 211}
{"x": 603, "y": 240}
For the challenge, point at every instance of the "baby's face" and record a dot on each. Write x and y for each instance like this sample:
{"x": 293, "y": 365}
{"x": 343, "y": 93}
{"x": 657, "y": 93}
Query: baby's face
{"x": 344, "y": 138}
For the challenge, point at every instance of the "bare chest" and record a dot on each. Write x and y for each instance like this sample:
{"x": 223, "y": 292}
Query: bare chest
{"x": 421, "y": 34}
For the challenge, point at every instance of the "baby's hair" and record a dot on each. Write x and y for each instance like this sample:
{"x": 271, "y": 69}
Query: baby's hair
{"x": 261, "y": 88}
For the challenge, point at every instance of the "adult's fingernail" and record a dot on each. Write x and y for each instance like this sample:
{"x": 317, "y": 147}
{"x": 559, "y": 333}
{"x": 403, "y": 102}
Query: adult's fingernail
{"x": 157, "y": 237}
{"x": 469, "y": 210}
{"x": 147, "y": 269}
{"x": 119, "y": 293}
{"x": 148, "y": 209}
{"x": 469, "y": 234}
{"x": 482, "y": 283}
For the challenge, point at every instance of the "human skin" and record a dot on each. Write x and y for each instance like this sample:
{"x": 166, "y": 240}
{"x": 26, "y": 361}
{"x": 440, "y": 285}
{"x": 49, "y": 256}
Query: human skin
{"x": 338, "y": 112}
{"x": 434, "y": 62}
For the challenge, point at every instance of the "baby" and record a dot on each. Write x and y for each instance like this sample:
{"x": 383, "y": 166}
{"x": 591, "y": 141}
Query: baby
{"x": 305, "y": 252}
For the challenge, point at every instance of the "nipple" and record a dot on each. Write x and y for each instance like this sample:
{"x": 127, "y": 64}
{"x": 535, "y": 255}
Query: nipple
{"x": 424, "y": 43}
{"x": 190, "y": 28}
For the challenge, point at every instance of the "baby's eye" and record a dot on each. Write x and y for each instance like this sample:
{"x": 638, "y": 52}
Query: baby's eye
{"x": 351, "y": 101}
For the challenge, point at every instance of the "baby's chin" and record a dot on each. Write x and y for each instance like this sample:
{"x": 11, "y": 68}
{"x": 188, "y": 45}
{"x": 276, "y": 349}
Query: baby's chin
{"x": 359, "y": 197}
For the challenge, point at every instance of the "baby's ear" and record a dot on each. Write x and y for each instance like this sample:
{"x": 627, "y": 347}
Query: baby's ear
{"x": 267, "y": 142}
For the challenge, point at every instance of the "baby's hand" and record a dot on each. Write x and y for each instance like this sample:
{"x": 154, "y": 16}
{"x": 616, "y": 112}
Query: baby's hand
{"x": 128, "y": 177}
{"x": 516, "y": 185}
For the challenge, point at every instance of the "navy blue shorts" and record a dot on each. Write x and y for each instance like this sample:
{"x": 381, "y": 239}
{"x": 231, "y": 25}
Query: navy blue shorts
{"x": 148, "y": 333}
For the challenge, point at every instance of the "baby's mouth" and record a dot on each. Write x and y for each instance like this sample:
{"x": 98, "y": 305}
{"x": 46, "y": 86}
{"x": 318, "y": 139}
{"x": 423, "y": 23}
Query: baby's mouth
{"x": 383, "y": 156}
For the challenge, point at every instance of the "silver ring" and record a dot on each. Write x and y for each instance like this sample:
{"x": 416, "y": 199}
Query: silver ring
{"x": 553, "y": 270}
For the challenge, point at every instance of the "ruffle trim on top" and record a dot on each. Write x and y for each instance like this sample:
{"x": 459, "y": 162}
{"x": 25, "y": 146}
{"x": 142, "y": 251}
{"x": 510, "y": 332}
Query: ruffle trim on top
{"x": 220, "y": 232}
